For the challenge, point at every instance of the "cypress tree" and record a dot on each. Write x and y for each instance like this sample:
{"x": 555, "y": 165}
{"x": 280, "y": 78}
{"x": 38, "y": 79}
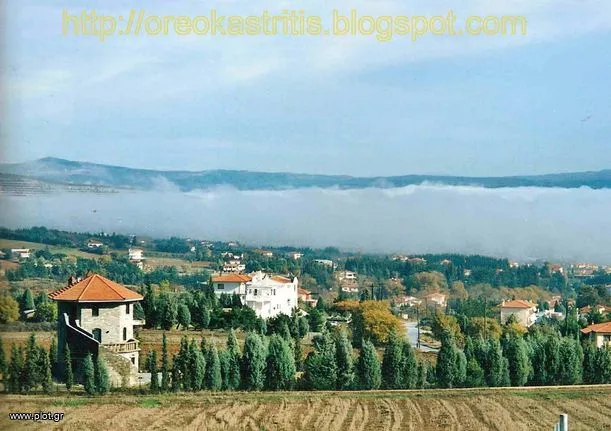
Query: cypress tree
{"x": 320, "y": 365}
{"x": 571, "y": 365}
{"x": 15, "y": 369}
{"x": 88, "y": 375}
{"x": 184, "y": 316}
{"x": 552, "y": 360}
{"x": 409, "y": 366}
{"x": 46, "y": 382}
{"x": 152, "y": 368}
{"x": 344, "y": 361}
{"x": 27, "y": 301}
{"x": 475, "y": 374}
{"x": 102, "y": 383}
{"x": 460, "y": 368}
{"x": 422, "y": 373}
{"x": 213, "y": 380}
{"x": 298, "y": 352}
{"x": 280, "y": 365}
{"x": 253, "y": 362}
{"x": 30, "y": 375}
{"x": 3, "y": 366}
{"x": 538, "y": 362}
{"x": 68, "y": 375}
{"x": 589, "y": 364}
{"x": 516, "y": 352}
{"x": 233, "y": 361}
{"x": 368, "y": 366}
{"x": 53, "y": 356}
{"x": 494, "y": 362}
{"x": 392, "y": 363}
{"x": 446, "y": 361}
{"x": 176, "y": 377}
{"x": 199, "y": 370}
{"x": 603, "y": 365}
{"x": 165, "y": 366}
{"x": 190, "y": 382}
{"x": 224, "y": 361}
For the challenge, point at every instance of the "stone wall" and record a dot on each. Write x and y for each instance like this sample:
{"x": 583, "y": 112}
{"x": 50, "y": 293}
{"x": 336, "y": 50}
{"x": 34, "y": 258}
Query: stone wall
{"x": 121, "y": 372}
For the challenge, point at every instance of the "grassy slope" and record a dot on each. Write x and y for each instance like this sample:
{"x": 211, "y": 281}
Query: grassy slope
{"x": 589, "y": 408}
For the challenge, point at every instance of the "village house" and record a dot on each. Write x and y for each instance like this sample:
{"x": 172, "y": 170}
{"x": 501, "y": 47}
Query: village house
{"x": 599, "y": 333}
{"x": 295, "y": 255}
{"x": 326, "y": 262}
{"x": 523, "y": 311}
{"x": 305, "y": 296}
{"x": 409, "y": 301}
{"x": 346, "y": 275}
{"x": 21, "y": 253}
{"x": 94, "y": 243}
{"x": 435, "y": 300}
{"x": 265, "y": 253}
{"x": 96, "y": 315}
{"x": 233, "y": 266}
{"x": 601, "y": 309}
{"x": 136, "y": 257}
{"x": 269, "y": 295}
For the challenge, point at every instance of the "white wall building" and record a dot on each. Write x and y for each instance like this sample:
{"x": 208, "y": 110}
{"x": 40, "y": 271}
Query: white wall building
{"x": 135, "y": 254}
{"x": 269, "y": 295}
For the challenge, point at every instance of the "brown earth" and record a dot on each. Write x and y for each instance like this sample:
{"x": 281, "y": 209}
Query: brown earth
{"x": 589, "y": 408}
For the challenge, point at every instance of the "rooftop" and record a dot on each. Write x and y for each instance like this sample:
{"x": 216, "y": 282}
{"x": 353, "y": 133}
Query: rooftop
{"x": 95, "y": 288}
{"x": 599, "y": 327}
{"x": 517, "y": 303}
{"x": 231, "y": 278}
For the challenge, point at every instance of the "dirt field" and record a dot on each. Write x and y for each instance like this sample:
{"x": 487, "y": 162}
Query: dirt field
{"x": 589, "y": 408}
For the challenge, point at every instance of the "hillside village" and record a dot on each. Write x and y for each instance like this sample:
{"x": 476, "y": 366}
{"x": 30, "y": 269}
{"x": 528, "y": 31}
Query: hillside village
{"x": 113, "y": 297}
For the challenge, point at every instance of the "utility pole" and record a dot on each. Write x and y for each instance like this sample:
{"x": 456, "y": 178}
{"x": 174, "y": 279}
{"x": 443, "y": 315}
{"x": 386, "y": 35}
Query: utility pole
{"x": 418, "y": 325}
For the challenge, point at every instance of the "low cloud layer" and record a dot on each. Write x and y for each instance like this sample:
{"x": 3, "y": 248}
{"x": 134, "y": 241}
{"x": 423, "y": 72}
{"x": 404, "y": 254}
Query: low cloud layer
{"x": 520, "y": 223}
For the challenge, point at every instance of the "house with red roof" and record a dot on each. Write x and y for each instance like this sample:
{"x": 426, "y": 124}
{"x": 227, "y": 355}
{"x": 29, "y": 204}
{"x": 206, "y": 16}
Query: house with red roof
{"x": 599, "y": 333}
{"x": 96, "y": 315}
{"x": 523, "y": 311}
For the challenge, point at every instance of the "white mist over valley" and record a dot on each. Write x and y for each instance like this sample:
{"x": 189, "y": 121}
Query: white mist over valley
{"x": 519, "y": 223}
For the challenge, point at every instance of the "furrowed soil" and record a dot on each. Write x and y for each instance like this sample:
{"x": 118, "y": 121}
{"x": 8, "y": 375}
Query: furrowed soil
{"x": 511, "y": 409}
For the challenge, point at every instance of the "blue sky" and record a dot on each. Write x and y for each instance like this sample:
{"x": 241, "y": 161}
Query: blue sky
{"x": 472, "y": 106}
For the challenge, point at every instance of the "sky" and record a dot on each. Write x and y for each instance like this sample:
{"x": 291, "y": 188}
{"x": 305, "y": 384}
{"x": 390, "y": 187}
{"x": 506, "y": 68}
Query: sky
{"x": 483, "y": 105}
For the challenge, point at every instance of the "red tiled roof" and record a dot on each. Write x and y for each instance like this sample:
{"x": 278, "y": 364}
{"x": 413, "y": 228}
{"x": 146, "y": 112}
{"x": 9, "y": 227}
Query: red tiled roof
{"x": 231, "y": 278}
{"x": 301, "y": 291}
{"x": 95, "y": 288}
{"x": 599, "y": 327}
{"x": 517, "y": 303}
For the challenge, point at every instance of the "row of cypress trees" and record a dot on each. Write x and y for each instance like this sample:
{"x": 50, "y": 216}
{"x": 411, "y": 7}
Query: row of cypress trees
{"x": 541, "y": 359}
{"x": 32, "y": 368}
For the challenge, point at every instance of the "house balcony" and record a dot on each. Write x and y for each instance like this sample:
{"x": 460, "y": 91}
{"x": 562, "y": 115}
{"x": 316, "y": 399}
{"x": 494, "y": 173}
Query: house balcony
{"x": 127, "y": 347}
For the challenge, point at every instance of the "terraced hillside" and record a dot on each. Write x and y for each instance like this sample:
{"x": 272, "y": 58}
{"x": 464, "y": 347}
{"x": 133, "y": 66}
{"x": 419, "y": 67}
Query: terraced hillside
{"x": 589, "y": 408}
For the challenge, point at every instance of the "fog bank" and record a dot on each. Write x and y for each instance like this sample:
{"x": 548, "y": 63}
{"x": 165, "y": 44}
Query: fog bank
{"x": 519, "y": 223}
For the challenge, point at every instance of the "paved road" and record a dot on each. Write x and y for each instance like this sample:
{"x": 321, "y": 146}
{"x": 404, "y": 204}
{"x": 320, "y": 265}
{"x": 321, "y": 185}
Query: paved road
{"x": 411, "y": 328}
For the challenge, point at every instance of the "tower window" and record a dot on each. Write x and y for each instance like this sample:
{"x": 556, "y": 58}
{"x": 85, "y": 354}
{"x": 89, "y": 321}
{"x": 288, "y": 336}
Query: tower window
{"x": 95, "y": 311}
{"x": 124, "y": 334}
{"x": 127, "y": 308}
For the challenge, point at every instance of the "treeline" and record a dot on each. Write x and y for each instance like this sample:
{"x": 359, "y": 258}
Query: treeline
{"x": 62, "y": 238}
{"x": 119, "y": 269}
{"x": 535, "y": 360}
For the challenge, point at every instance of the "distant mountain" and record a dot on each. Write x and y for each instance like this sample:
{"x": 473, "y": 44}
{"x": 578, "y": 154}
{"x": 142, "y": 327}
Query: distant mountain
{"x": 62, "y": 171}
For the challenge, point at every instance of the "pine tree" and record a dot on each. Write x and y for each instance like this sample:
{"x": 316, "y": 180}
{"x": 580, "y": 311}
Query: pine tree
{"x": 409, "y": 366}
{"x": 102, "y": 382}
{"x": 368, "y": 366}
{"x": 89, "y": 375}
{"x": 446, "y": 361}
{"x": 280, "y": 364}
{"x": 213, "y": 380}
{"x": 233, "y": 359}
{"x": 253, "y": 362}
{"x": 165, "y": 366}
{"x": 392, "y": 363}
{"x": 68, "y": 375}
{"x": 152, "y": 368}
{"x": 15, "y": 369}
{"x": 344, "y": 361}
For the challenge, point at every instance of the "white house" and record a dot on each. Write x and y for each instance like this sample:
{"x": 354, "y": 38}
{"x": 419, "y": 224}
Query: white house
{"x": 233, "y": 266}
{"x": 22, "y": 253}
{"x": 523, "y": 311}
{"x": 94, "y": 243}
{"x": 435, "y": 299}
{"x": 347, "y": 275}
{"x": 270, "y": 295}
{"x": 295, "y": 255}
{"x": 135, "y": 254}
{"x": 325, "y": 262}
